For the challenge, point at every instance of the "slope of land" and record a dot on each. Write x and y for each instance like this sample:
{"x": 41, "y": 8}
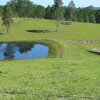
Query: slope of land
{"x": 76, "y": 76}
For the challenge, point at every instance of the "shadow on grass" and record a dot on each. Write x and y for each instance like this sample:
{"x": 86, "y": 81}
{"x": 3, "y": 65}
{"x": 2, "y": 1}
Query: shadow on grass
{"x": 39, "y": 31}
{"x": 1, "y": 33}
{"x": 94, "y": 52}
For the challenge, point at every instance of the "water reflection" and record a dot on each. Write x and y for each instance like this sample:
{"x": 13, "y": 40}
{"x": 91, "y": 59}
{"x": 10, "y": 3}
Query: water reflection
{"x": 25, "y": 47}
{"x": 10, "y": 51}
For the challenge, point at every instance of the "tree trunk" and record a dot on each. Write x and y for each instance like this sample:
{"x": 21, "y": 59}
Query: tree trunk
{"x": 7, "y": 29}
{"x": 57, "y": 26}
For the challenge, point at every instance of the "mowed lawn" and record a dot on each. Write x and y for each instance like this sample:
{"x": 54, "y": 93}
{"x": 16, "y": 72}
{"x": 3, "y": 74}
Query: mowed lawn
{"x": 76, "y": 76}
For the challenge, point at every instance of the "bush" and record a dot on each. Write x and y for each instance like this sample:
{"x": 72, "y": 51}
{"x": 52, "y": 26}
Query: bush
{"x": 66, "y": 22}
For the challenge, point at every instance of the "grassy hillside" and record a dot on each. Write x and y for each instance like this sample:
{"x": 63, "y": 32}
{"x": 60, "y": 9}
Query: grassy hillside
{"x": 76, "y": 76}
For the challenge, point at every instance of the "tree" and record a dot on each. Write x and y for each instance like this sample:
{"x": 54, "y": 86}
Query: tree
{"x": 26, "y": 8}
{"x": 52, "y": 13}
{"x": 12, "y": 4}
{"x": 92, "y": 19}
{"x": 1, "y": 10}
{"x": 86, "y": 18}
{"x": 47, "y": 12}
{"x": 70, "y": 11}
{"x": 58, "y": 11}
{"x": 98, "y": 16}
{"x": 40, "y": 11}
{"x": 7, "y": 17}
{"x": 80, "y": 15}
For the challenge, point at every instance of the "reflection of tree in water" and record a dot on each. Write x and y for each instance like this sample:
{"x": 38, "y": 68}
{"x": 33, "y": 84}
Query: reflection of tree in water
{"x": 0, "y": 47}
{"x": 25, "y": 47}
{"x": 9, "y": 51}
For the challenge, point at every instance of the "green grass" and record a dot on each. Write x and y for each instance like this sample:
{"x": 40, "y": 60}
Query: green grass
{"x": 73, "y": 77}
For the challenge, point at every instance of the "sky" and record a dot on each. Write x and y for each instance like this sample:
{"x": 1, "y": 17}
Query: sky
{"x": 78, "y": 3}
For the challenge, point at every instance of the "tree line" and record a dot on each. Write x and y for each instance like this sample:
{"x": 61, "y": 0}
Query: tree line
{"x": 26, "y": 8}
{"x": 71, "y": 13}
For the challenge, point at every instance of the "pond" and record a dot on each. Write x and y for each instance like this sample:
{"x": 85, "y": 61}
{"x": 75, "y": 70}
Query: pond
{"x": 23, "y": 50}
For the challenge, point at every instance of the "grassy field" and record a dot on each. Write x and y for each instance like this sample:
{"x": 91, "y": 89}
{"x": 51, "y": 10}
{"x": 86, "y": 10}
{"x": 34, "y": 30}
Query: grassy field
{"x": 76, "y": 76}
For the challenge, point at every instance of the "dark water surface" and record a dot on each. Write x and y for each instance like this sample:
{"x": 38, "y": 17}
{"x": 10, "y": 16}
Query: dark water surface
{"x": 12, "y": 51}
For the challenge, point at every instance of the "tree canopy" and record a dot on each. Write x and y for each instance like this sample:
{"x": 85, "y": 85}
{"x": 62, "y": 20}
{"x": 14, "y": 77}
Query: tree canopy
{"x": 7, "y": 17}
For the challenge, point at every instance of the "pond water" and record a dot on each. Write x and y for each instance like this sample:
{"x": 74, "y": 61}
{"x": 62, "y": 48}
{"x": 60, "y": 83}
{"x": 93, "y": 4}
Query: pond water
{"x": 12, "y": 51}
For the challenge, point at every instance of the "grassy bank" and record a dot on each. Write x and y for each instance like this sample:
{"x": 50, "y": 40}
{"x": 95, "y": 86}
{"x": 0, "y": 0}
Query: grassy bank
{"x": 75, "y": 76}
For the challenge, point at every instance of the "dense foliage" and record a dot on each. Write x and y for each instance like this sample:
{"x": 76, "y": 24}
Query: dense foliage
{"x": 26, "y": 8}
{"x": 7, "y": 17}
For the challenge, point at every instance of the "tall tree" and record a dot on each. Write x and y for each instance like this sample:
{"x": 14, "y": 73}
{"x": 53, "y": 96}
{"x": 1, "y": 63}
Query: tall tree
{"x": 92, "y": 19}
{"x": 40, "y": 11}
{"x": 98, "y": 16}
{"x": 86, "y": 18}
{"x": 79, "y": 14}
{"x": 7, "y": 17}
{"x": 47, "y": 12}
{"x": 70, "y": 11}
{"x": 58, "y": 11}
